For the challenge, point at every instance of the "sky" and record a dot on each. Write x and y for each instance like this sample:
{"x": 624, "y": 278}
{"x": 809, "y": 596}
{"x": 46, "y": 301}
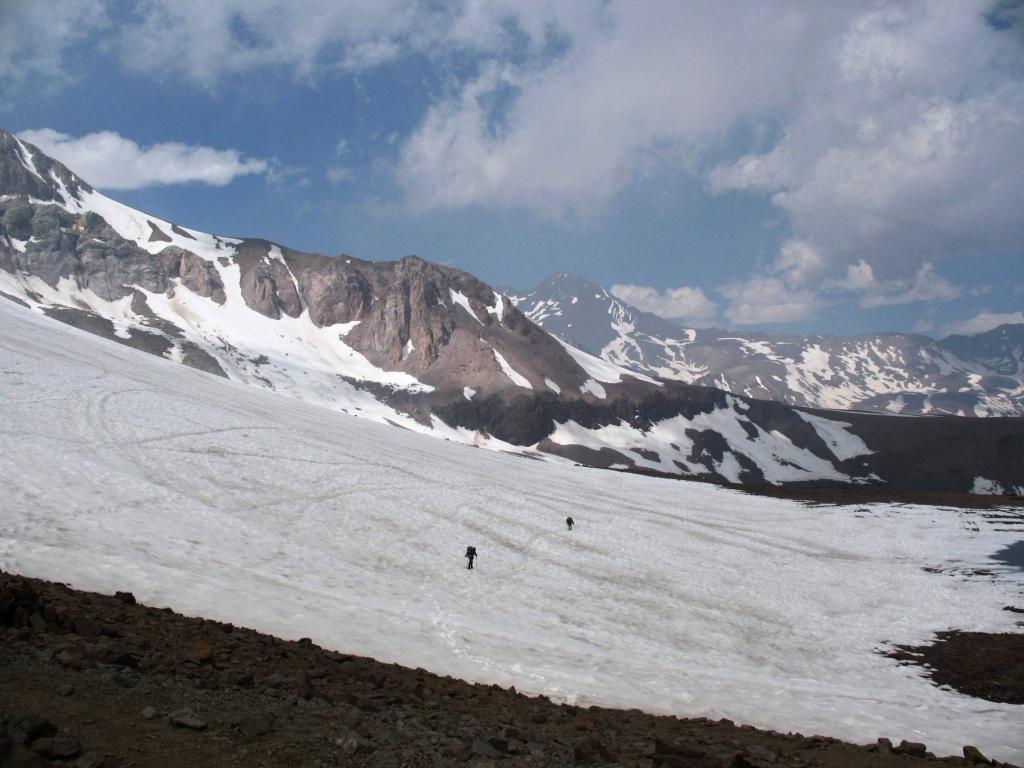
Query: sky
{"x": 788, "y": 167}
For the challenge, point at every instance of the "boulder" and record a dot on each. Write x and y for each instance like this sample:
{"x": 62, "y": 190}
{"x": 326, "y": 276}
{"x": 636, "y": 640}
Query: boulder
{"x": 186, "y": 718}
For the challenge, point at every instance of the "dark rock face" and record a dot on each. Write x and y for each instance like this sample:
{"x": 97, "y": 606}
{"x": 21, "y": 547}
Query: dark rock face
{"x": 17, "y": 179}
{"x": 196, "y": 274}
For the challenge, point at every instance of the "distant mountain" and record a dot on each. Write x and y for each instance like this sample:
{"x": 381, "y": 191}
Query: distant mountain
{"x": 979, "y": 375}
{"x": 435, "y": 350}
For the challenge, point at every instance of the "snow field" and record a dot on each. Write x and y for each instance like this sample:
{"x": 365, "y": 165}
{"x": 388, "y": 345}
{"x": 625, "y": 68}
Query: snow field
{"x": 123, "y": 471}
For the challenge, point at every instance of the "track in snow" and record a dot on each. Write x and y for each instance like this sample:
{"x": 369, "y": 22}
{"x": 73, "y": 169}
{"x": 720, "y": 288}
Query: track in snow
{"x": 123, "y": 471}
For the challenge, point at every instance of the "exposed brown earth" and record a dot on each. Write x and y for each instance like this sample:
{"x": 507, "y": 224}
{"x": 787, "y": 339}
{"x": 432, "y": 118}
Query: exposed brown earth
{"x": 849, "y": 495}
{"x": 98, "y": 680}
{"x": 983, "y": 664}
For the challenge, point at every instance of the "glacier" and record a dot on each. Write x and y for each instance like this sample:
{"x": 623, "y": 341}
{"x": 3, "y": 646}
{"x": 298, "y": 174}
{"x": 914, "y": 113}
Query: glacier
{"x": 122, "y": 471}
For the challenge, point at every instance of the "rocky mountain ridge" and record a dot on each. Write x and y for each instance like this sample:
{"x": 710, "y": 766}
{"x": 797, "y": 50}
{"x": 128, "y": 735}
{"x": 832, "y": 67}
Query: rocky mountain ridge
{"x": 979, "y": 375}
{"x": 428, "y": 348}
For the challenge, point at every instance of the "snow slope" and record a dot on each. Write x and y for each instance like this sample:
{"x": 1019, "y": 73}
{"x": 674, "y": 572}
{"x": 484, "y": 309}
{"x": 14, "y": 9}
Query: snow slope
{"x": 124, "y": 471}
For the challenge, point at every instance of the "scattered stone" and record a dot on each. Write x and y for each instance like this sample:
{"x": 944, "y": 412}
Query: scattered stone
{"x": 57, "y": 748}
{"x": 458, "y": 752}
{"x": 28, "y": 728}
{"x": 277, "y": 680}
{"x": 912, "y": 748}
{"x": 70, "y": 658}
{"x": 89, "y": 760}
{"x": 202, "y": 651}
{"x": 186, "y": 718}
{"x": 352, "y": 743}
{"x": 148, "y": 713}
{"x": 973, "y": 756}
{"x": 86, "y": 627}
{"x": 589, "y": 749}
{"x": 256, "y": 725}
{"x": 125, "y": 597}
{"x": 535, "y": 748}
{"x": 66, "y": 690}
{"x": 884, "y": 747}
{"x": 758, "y": 752}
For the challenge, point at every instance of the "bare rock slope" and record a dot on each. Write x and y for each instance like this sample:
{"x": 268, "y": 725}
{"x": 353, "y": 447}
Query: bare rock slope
{"x": 432, "y": 349}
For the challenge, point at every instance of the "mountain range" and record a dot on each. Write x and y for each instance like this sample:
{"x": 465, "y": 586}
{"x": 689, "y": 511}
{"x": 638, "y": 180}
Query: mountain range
{"x": 901, "y": 373}
{"x": 435, "y": 350}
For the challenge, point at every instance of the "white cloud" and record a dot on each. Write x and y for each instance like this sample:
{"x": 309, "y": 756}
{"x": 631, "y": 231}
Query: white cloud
{"x": 888, "y": 132}
{"x": 983, "y": 321}
{"x": 641, "y": 88}
{"x": 110, "y": 161}
{"x": 779, "y": 294}
{"x": 926, "y": 285}
{"x": 860, "y": 277}
{"x": 338, "y": 174}
{"x": 208, "y": 41}
{"x": 37, "y": 37}
{"x": 682, "y": 302}
{"x": 799, "y": 262}
{"x": 286, "y": 175}
{"x": 906, "y": 147}
{"x": 764, "y": 299}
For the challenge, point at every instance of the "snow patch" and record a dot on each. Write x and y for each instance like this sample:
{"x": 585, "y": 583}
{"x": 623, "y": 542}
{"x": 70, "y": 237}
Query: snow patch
{"x": 844, "y": 445}
{"x": 517, "y": 378}
{"x": 987, "y": 487}
{"x": 463, "y": 301}
{"x": 499, "y": 306}
{"x": 601, "y": 370}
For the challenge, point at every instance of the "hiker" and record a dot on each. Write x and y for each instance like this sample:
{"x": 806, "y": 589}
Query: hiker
{"x": 570, "y": 522}
{"x": 471, "y": 556}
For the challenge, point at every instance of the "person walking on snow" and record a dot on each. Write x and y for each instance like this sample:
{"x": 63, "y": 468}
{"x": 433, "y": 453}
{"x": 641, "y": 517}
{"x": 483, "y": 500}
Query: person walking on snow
{"x": 471, "y": 556}
{"x": 570, "y": 522}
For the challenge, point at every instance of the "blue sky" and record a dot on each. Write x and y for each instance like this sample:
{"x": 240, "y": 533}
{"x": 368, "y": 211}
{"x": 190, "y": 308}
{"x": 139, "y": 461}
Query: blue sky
{"x": 788, "y": 167}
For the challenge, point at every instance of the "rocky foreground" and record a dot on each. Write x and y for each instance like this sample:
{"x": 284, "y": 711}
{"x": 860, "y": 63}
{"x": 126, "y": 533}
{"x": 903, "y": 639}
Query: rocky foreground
{"x": 95, "y": 680}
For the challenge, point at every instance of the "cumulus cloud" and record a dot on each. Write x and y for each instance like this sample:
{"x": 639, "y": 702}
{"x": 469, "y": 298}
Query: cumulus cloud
{"x": 888, "y": 133}
{"x": 766, "y": 299}
{"x": 906, "y": 148}
{"x": 37, "y": 38}
{"x": 683, "y": 302}
{"x": 111, "y": 161}
{"x": 781, "y": 293}
{"x": 983, "y": 321}
{"x": 641, "y": 87}
{"x": 926, "y": 285}
{"x": 207, "y": 42}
